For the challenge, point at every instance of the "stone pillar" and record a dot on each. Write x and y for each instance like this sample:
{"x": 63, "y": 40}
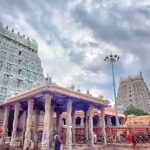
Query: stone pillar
{"x": 100, "y": 121}
{"x": 51, "y": 126}
{"x": 91, "y": 137}
{"x": 69, "y": 126}
{"x": 82, "y": 122}
{"x": 74, "y": 128}
{"x": 103, "y": 124}
{"x": 5, "y": 124}
{"x": 28, "y": 125}
{"x": 23, "y": 125}
{"x": 58, "y": 122}
{"x": 36, "y": 120}
{"x": 15, "y": 125}
{"x": 86, "y": 125}
{"x": 109, "y": 123}
{"x": 47, "y": 123}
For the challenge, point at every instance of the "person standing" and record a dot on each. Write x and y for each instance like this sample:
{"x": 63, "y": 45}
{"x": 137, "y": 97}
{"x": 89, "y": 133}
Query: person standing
{"x": 57, "y": 143}
{"x": 129, "y": 137}
{"x": 134, "y": 139}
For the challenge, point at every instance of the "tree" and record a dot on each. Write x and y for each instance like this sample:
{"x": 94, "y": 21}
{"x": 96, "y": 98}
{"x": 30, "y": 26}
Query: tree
{"x": 135, "y": 111}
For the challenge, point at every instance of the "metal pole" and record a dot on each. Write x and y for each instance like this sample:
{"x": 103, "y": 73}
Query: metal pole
{"x": 114, "y": 88}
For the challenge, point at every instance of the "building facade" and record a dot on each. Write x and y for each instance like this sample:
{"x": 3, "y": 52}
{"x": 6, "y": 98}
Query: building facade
{"x": 134, "y": 91}
{"x": 20, "y": 65}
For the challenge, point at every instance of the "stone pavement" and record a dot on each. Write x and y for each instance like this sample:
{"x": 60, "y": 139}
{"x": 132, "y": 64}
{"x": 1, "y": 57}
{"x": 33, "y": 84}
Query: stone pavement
{"x": 102, "y": 147}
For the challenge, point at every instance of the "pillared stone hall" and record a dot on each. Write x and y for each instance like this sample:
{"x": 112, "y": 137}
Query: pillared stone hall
{"x": 49, "y": 109}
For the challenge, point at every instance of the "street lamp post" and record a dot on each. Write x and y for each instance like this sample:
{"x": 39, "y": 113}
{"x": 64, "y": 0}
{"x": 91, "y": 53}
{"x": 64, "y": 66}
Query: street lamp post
{"x": 112, "y": 59}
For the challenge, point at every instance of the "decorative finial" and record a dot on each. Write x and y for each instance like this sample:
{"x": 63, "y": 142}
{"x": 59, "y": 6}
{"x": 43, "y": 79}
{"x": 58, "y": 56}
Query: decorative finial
{"x": 88, "y": 92}
{"x": 72, "y": 87}
{"x": 48, "y": 80}
{"x": 78, "y": 90}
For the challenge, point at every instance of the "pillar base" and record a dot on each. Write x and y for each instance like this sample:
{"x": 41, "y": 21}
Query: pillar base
{"x": 69, "y": 147}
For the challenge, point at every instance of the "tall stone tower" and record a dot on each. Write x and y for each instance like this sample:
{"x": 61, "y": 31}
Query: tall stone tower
{"x": 134, "y": 91}
{"x": 20, "y": 65}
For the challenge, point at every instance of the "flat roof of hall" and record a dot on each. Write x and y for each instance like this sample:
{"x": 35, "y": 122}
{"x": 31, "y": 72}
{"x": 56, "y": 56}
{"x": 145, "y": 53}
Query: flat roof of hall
{"x": 56, "y": 92}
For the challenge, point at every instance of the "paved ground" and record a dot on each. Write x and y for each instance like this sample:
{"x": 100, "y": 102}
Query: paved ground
{"x": 102, "y": 147}
{"x": 117, "y": 147}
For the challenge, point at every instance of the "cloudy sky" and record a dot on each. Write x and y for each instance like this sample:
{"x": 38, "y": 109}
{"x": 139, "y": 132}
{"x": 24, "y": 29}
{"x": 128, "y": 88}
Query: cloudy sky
{"x": 74, "y": 36}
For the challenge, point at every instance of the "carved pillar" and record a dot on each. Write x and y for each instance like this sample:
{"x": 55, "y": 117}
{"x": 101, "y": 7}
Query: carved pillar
{"x": 36, "y": 120}
{"x": 100, "y": 121}
{"x": 73, "y": 128}
{"x": 82, "y": 122}
{"x": 28, "y": 125}
{"x": 103, "y": 124}
{"x": 58, "y": 122}
{"x": 86, "y": 125}
{"x": 69, "y": 126}
{"x": 5, "y": 124}
{"x": 47, "y": 123}
{"x": 91, "y": 137}
{"x": 51, "y": 125}
{"x": 23, "y": 124}
{"x": 15, "y": 125}
{"x": 109, "y": 123}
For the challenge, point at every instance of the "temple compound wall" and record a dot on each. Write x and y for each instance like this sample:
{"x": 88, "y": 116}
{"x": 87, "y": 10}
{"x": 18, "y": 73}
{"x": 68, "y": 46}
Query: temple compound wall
{"x": 20, "y": 65}
{"x": 134, "y": 91}
{"x": 33, "y": 118}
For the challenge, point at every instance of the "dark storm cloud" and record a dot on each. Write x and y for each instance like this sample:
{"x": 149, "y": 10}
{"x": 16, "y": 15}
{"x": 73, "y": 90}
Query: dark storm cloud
{"x": 120, "y": 25}
{"x": 77, "y": 56}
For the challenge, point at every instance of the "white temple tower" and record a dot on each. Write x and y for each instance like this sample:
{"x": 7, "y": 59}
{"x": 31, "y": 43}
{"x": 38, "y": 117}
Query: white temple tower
{"x": 134, "y": 91}
{"x": 20, "y": 65}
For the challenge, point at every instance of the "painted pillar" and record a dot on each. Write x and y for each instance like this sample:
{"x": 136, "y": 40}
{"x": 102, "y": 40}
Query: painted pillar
{"x": 103, "y": 124}
{"x": 47, "y": 124}
{"x": 69, "y": 126}
{"x": 91, "y": 134}
{"x": 5, "y": 124}
{"x": 86, "y": 125}
{"x": 28, "y": 125}
{"x": 15, "y": 125}
{"x": 73, "y": 128}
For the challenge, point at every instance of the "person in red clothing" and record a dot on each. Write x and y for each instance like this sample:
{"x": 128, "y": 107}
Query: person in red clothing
{"x": 129, "y": 137}
{"x": 1, "y": 132}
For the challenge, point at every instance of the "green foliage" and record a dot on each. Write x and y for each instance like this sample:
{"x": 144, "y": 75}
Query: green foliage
{"x": 135, "y": 111}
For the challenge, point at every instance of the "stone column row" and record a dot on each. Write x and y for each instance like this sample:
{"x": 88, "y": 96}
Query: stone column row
{"x": 15, "y": 124}
{"x": 5, "y": 124}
